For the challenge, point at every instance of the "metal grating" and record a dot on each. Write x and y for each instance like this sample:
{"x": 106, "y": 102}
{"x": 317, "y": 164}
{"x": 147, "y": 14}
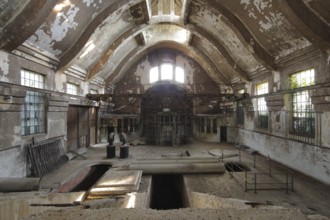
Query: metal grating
{"x": 45, "y": 157}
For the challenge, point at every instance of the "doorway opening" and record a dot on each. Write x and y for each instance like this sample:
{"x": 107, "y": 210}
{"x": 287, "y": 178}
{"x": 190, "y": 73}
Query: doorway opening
{"x": 223, "y": 134}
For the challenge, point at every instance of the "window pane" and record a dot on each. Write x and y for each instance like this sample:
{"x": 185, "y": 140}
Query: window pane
{"x": 31, "y": 79}
{"x": 72, "y": 89}
{"x": 303, "y": 115}
{"x": 153, "y": 75}
{"x": 262, "y": 111}
{"x": 33, "y": 114}
{"x": 262, "y": 88}
{"x": 179, "y": 75}
{"x": 166, "y": 72}
{"x": 302, "y": 79}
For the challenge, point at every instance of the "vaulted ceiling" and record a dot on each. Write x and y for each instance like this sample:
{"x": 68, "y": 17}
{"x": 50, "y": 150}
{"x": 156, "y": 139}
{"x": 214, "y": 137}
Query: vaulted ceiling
{"x": 233, "y": 40}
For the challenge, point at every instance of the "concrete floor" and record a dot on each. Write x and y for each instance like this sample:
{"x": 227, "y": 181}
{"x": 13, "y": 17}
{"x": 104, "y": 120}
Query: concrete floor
{"x": 310, "y": 196}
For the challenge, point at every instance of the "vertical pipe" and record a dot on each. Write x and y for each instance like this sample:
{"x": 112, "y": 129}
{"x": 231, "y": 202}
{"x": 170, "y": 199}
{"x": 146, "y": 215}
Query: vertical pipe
{"x": 270, "y": 166}
{"x": 292, "y": 182}
{"x": 254, "y": 160}
{"x": 255, "y": 182}
{"x": 287, "y": 183}
{"x": 222, "y": 155}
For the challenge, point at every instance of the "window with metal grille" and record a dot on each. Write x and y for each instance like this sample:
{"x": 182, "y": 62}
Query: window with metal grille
{"x": 303, "y": 114}
{"x": 71, "y": 89}
{"x": 33, "y": 116}
{"x": 262, "y": 111}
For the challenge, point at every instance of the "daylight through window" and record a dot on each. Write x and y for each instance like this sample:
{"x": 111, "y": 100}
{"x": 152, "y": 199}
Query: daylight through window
{"x": 303, "y": 115}
{"x": 262, "y": 111}
{"x": 165, "y": 72}
{"x": 71, "y": 89}
{"x": 33, "y": 116}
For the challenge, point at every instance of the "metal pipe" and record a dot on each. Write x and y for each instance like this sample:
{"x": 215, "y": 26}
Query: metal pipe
{"x": 255, "y": 182}
{"x": 287, "y": 183}
{"x": 270, "y": 166}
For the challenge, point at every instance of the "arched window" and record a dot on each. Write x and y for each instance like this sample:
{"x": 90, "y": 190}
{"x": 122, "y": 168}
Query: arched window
{"x": 166, "y": 73}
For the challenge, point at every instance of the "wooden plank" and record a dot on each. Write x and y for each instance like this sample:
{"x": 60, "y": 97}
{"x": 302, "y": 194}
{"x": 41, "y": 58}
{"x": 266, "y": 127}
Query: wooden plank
{"x": 117, "y": 183}
{"x": 119, "y": 178}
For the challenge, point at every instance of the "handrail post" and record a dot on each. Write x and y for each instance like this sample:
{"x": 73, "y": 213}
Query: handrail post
{"x": 239, "y": 154}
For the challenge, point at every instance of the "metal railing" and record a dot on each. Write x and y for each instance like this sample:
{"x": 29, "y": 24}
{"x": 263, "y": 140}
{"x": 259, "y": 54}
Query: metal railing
{"x": 304, "y": 127}
{"x": 252, "y": 180}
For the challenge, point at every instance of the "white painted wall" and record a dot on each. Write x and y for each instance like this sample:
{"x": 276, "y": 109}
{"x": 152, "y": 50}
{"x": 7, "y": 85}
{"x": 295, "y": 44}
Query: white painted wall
{"x": 10, "y": 169}
{"x": 313, "y": 161}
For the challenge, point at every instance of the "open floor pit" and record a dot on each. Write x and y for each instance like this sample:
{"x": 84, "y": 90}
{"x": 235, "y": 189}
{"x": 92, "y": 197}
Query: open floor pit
{"x": 168, "y": 192}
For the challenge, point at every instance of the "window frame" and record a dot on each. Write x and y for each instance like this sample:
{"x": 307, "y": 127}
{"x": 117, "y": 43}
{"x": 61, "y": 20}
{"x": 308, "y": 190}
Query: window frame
{"x": 69, "y": 89}
{"x": 34, "y": 114}
{"x": 262, "y": 114}
{"x": 177, "y": 73}
{"x": 303, "y": 116}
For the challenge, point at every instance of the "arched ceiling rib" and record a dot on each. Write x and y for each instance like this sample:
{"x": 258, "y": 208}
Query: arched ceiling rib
{"x": 230, "y": 39}
{"x": 193, "y": 53}
{"x": 107, "y": 14}
{"x": 29, "y": 15}
{"x": 222, "y": 57}
{"x": 316, "y": 29}
{"x": 237, "y": 26}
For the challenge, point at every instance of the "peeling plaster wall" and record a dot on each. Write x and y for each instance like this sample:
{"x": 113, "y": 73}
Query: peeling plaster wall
{"x": 223, "y": 30}
{"x": 107, "y": 32}
{"x": 4, "y": 66}
{"x": 266, "y": 19}
{"x": 12, "y": 155}
{"x": 310, "y": 160}
{"x": 13, "y": 163}
{"x": 60, "y": 82}
{"x": 325, "y": 125}
{"x": 137, "y": 79}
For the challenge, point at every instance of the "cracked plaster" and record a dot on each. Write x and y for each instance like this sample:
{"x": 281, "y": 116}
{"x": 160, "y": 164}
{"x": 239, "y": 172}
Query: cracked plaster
{"x": 4, "y": 66}
{"x": 217, "y": 25}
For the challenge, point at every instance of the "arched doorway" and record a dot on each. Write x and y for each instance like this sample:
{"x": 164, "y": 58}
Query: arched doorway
{"x": 166, "y": 114}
